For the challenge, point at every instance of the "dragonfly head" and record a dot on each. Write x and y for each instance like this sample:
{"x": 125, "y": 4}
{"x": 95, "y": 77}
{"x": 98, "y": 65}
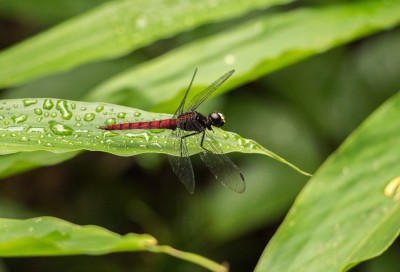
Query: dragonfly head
{"x": 216, "y": 119}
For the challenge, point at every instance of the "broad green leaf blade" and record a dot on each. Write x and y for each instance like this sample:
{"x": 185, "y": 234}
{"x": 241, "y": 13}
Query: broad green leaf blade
{"x": 255, "y": 48}
{"x": 112, "y": 30}
{"x": 16, "y": 163}
{"x": 67, "y": 126}
{"x": 48, "y": 236}
{"x": 344, "y": 216}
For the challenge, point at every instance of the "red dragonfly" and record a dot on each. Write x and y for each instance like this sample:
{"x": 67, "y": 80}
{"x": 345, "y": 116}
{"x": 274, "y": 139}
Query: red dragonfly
{"x": 187, "y": 122}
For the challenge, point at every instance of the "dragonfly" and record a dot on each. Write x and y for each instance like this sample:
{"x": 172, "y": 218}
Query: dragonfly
{"x": 188, "y": 123}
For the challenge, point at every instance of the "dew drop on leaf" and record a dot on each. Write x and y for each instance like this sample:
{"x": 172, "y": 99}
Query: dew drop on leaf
{"x": 62, "y": 107}
{"x": 89, "y": 117}
{"x": 28, "y": 102}
{"x": 121, "y": 115}
{"x": 19, "y": 118}
{"x": 137, "y": 114}
{"x": 111, "y": 121}
{"x": 48, "y": 104}
{"x": 38, "y": 111}
{"x": 60, "y": 129}
{"x": 99, "y": 108}
{"x": 24, "y": 139}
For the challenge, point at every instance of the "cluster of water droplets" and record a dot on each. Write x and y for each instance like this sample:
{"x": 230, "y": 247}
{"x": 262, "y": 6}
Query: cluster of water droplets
{"x": 61, "y": 123}
{"x": 68, "y": 125}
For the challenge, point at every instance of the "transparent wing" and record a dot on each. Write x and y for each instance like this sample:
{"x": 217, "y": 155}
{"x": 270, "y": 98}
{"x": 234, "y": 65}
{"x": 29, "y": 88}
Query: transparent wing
{"x": 180, "y": 161}
{"x": 199, "y": 98}
{"x": 179, "y": 110}
{"x": 221, "y": 166}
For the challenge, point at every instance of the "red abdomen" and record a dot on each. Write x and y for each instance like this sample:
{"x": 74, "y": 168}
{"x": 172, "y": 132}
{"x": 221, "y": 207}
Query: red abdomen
{"x": 167, "y": 124}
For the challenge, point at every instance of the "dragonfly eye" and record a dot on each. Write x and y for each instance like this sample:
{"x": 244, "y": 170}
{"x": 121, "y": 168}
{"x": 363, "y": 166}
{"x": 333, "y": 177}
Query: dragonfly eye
{"x": 217, "y": 119}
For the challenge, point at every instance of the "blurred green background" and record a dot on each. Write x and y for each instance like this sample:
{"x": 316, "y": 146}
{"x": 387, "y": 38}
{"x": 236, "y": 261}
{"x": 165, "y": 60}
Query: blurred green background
{"x": 303, "y": 112}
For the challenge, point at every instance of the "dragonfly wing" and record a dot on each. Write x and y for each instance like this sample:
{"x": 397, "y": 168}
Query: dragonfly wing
{"x": 199, "y": 98}
{"x": 182, "y": 167}
{"x": 221, "y": 166}
{"x": 179, "y": 110}
{"x": 180, "y": 161}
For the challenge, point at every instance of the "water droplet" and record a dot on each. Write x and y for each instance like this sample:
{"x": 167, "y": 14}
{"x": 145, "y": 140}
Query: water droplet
{"x": 48, "y": 104}
{"x": 6, "y": 122}
{"x": 121, "y": 115}
{"x": 28, "y": 102}
{"x": 49, "y": 145}
{"x": 73, "y": 106}
{"x": 89, "y": 117}
{"x": 239, "y": 140}
{"x": 46, "y": 114}
{"x": 35, "y": 130}
{"x": 226, "y": 136}
{"x": 2, "y": 117}
{"x": 137, "y": 114}
{"x": 60, "y": 129}
{"x": 110, "y": 134}
{"x": 111, "y": 121}
{"x": 99, "y": 108}
{"x": 20, "y": 118}
{"x": 160, "y": 130}
{"x": 144, "y": 135}
{"x": 53, "y": 114}
{"x": 77, "y": 118}
{"x": 24, "y": 139}
{"x": 62, "y": 107}
{"x": 15, "y": 106}
{"x": 83, "y": 108}
{"x": 39, "y": 119}
{"x": 38, "y": 111}
{"x": 157, "y": 144}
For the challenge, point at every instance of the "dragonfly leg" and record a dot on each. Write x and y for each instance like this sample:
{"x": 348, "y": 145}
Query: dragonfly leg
{"x": 202, "y": 141}
{"x": 183, "y": 137}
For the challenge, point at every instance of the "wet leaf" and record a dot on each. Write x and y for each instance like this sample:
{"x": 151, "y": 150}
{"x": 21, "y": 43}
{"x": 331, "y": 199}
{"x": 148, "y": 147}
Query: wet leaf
{"x": 69, "y": 126}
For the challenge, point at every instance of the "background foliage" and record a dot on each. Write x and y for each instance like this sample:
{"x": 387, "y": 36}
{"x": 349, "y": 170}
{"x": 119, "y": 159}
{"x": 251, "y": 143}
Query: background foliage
{"x": 308, "y": 73}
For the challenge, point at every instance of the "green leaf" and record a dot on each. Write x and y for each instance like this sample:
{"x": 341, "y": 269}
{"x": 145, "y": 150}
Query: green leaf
{"x": 47, "y": 236}
{"x": 255, "y": 48}
{"x": 344, "y": 215}
{"x": 12, "y": 164}
{"x": 69, "y": 126}
{"x": 112, "y": 30}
